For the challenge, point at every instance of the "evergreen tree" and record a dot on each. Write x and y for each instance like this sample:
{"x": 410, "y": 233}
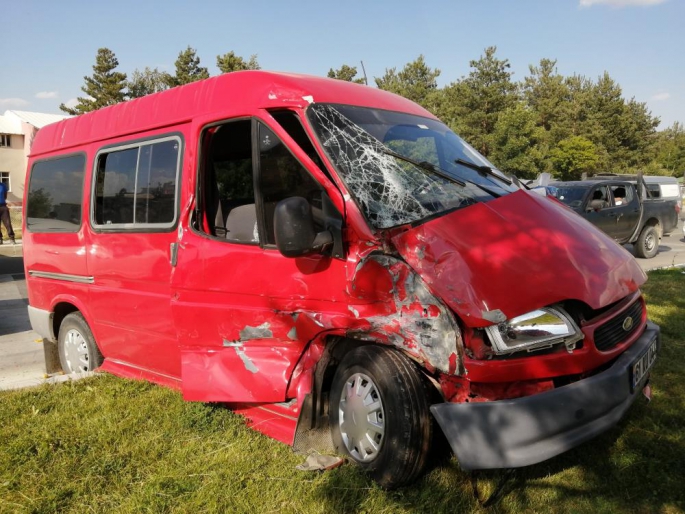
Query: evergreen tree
{"x": 416, "y": 81}
{"x": 188, "y": 69}
{"x": 231, "y": 62}
{"x": 518, "y": 143}
{"x": 105, "y": 87}
{"x": 347, "y": 73}
{"x": 669, "y": 152}
{"x": 545, "y": 92}
{"x": 146, "y": 82}
{"x": 473, "y": 104}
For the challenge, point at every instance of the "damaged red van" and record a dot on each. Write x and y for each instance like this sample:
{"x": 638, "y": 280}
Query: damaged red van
{"x": 331, "y": 261}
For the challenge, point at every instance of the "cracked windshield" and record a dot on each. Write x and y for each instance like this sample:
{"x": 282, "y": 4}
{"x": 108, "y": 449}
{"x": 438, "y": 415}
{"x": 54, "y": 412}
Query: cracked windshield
{"x": 403, "y": 168}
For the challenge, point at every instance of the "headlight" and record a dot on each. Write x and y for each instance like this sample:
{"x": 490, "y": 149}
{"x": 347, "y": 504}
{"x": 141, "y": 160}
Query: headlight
{"x": 541, "y": 328}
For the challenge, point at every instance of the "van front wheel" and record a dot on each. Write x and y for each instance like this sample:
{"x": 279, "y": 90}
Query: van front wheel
{"x": 379, "y": 414}
{"x": 76, "y": 345}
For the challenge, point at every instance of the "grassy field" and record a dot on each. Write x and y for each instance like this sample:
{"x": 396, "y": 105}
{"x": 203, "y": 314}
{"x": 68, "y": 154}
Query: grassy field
{"x": 111, "y": 445}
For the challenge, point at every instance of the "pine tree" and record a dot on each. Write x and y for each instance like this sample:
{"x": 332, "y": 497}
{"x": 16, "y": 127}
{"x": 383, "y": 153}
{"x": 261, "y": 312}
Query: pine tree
{"x": 231, "y": 62}
{"x": 188, "y": 69}
{"x": 416, "y": 81}
{"x": 346, "y": 73}
{"x": 473, "y": 104}
{"x": 146, "y": 82}
{"x": 105, "y": 87}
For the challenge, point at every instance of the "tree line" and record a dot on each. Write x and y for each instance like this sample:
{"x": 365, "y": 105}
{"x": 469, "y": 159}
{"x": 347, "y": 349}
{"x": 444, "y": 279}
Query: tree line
{"x": 547, "y": 122}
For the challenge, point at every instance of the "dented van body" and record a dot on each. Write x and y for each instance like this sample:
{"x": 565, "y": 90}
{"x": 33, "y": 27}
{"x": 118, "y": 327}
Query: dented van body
{"x": 334, "y": 263}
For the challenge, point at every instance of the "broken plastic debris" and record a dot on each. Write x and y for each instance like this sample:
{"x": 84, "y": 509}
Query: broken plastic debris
{"x": 647, "y": 391}
{"x": 318, "y": 462}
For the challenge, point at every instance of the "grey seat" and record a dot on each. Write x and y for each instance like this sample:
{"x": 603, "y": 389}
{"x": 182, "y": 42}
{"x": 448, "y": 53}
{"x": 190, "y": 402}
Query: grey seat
{"x": 241, "y": 224}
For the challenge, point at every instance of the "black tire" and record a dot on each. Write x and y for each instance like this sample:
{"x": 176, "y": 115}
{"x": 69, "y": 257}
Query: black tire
{"x": 403, "y": 447}
{"x": 76, "y": 345}
{"x": 647, "y": 244}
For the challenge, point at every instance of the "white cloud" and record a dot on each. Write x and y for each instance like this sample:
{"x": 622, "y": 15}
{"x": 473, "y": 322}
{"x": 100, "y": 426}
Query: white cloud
{"x": 71, "y": 103}
{"x": 46, "y": 94}
{"x": 659, "y": 97}
{"x": 621, "y": 3}
{"x": 13, "y": 102}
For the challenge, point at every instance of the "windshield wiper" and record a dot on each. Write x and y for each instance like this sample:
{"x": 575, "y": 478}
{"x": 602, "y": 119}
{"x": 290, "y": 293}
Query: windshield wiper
{"x": 483, "y": 170}
{"x": 425, "y": 165}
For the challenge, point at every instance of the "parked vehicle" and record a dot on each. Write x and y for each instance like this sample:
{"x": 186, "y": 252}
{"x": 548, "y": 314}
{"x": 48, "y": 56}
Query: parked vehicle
{"x": 335, "y": 264}
{"x": 615, "y": 207}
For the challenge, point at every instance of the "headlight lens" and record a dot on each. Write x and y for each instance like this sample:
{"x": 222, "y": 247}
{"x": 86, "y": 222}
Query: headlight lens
{"x": 540, "y": 328}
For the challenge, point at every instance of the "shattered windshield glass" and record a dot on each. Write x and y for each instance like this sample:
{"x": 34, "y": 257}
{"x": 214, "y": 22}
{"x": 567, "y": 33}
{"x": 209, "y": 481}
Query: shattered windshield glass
{"x": 390, "y": 190}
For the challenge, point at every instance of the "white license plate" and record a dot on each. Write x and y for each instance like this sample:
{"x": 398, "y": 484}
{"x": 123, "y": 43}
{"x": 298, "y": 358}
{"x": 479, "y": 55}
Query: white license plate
{"x": 643, "y": 364}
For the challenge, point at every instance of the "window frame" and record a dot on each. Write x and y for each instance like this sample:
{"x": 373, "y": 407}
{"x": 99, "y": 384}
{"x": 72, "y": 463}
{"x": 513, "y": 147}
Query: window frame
{"x": 138, "y": 227}
{"x": 200, "y": 207}
{"x": 83, "y": 183}
{"x": 259, "y": 199}
{"x": 7, "y": 138}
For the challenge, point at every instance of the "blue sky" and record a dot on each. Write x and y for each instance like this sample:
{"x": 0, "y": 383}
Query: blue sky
{"x": 51, "y": 45}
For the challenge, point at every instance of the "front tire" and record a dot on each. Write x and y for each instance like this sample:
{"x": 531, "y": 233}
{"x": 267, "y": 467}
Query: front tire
{"x": 379, "y": 414}
{"x": 647, "y": 245}
{"x": 76, "y": 345}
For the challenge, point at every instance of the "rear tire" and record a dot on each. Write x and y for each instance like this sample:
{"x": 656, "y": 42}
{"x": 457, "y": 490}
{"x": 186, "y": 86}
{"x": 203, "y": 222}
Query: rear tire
{"x": 647, "y": 244}
{"x": 379, "y": 414}
{"x": 76, "y": 345}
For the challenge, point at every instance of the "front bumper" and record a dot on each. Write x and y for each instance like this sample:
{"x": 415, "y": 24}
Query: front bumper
{"x": 524, "y": 431}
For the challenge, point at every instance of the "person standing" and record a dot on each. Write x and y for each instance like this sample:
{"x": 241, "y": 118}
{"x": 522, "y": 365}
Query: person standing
{"x": 5, "y": 214}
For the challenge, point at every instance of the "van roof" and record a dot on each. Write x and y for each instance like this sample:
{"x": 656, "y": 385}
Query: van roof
{"x": 253, "y": 89}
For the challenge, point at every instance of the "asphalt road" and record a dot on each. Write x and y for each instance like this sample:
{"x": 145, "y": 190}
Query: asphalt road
{"x": 671, "y": 252}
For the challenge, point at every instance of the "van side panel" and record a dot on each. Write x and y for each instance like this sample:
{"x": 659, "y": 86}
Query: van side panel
{"x": 131, "y": 268}
{"x": 129, "y": 299}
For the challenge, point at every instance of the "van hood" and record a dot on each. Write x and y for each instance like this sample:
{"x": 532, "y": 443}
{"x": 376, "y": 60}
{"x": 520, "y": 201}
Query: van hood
{"x": 515, "y": 254}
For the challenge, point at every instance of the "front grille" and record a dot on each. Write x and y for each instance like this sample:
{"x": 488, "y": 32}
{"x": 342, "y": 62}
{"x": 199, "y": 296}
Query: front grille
{"x": 612, "y": 332}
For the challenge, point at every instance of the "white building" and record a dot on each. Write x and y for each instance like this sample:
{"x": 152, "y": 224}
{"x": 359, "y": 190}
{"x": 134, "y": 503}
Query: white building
{"x": 17, "y": 130}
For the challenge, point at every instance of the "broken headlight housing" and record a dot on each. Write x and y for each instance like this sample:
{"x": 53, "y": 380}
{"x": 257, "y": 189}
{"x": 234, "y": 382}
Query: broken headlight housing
{"x": 538, "y": 329}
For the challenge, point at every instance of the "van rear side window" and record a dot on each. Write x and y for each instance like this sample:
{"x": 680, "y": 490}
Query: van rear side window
{"x": 56, "y": 194}
{"x": 136, "y": 185}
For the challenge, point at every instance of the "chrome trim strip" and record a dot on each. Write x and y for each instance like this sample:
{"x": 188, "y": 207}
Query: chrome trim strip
{"x": 81, "y": 279}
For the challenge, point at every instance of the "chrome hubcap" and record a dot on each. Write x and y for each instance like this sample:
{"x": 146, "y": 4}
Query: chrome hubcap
{"x": 75, "y": 352}
{"x": 361, "y": 418}
{"x": 650, "y": 241}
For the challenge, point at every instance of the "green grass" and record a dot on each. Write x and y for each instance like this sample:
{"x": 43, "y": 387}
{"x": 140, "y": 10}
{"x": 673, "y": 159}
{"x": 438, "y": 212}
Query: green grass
{"x": 111, "y": 445}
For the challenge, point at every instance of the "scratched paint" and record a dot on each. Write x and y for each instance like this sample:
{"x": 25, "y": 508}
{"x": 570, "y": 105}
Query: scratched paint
{"x": 263, "y": 331}
{"x": 240, "y": 351}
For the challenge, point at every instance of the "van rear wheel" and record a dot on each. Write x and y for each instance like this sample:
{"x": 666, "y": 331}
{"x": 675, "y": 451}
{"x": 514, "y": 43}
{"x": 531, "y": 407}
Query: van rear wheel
{"x": 379, "y": 414}
{"x": 76, "y": 345}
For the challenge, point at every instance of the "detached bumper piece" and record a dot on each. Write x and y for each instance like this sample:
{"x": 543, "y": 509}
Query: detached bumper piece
{"x": 524, "y": 431}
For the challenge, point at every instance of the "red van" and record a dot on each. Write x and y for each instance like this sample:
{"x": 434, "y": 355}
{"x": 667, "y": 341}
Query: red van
{"x": 337, "y": 265}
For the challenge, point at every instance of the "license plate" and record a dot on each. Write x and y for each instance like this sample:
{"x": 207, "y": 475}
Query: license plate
{"x": 643, "y": 364}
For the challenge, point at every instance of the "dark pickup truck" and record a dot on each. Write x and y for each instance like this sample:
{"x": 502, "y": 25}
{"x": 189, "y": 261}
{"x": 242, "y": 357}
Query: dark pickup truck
{"x": 615, "y": 207}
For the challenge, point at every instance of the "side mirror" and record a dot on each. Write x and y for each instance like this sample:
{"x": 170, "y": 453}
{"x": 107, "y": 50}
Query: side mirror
{"x": 294, "y": 229}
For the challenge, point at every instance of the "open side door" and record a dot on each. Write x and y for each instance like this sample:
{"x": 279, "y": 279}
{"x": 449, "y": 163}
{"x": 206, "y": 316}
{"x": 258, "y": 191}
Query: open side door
{"x": 641, "y": 189}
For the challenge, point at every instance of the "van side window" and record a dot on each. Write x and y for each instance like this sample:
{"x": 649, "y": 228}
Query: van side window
{"x": 136, "y": 186}
{"x": 292, "y": 125}
{"x": 281, "y": 176}
{"x": 55, "y": 195}
{"x": 228, "y": 185}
